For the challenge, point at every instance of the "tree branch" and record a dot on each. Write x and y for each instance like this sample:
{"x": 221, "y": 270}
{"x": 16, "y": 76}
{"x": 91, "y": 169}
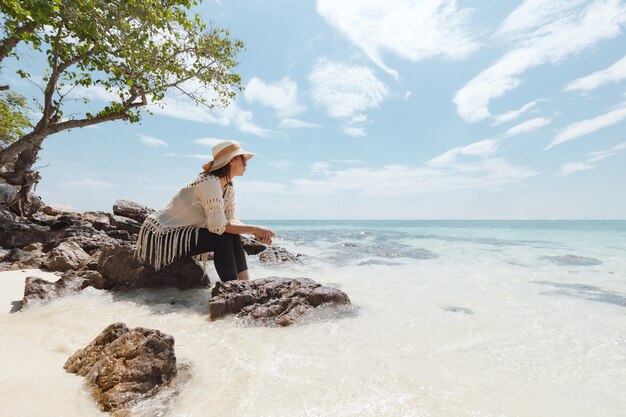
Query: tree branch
{"x": 11, "y": 42}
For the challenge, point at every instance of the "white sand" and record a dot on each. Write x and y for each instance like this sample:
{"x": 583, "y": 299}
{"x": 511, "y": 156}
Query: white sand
{"x": 33, "y": 382}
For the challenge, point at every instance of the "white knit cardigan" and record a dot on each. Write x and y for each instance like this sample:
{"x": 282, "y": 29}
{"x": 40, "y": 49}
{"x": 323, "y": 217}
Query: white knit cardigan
{"x": 167, "y": 234}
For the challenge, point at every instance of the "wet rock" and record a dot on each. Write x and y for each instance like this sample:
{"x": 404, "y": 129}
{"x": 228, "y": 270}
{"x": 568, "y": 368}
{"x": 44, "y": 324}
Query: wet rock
{"x": 38, "y": 290}
{"x": 272, "y": 301}
{"x": 122, "y": 269}
{"x": 68, "y": 255}
{"x": 453, "y": 309}
{"x": 95, "y": 278}
{"x": 124, "y": 366}
{"x": 573, "y": 260}
{"x": 22, "y": 259}
{"x": 131, "y": 210}
{"x": 252, "y": 246}
{"x": 277, "y": 255}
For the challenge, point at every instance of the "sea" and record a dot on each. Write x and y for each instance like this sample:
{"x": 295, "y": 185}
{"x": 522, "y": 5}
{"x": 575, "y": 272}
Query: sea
{"x": 448, "y": 318}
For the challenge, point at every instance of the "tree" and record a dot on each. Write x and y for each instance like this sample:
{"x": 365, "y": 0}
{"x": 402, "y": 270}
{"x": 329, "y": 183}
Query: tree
{"x": 134, "y": 50}
{"x": 13, "y": 120}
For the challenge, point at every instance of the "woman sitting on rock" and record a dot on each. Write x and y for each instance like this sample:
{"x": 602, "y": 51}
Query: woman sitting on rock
{"x": 201, "y": 218}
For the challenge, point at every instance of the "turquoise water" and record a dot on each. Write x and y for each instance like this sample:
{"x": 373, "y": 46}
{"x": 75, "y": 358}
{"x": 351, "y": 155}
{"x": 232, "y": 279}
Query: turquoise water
{"x": 449, "y": 318}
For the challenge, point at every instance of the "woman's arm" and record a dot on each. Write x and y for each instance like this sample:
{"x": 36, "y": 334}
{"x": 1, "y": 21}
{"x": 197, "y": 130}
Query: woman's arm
{"x": 263, "y": 234}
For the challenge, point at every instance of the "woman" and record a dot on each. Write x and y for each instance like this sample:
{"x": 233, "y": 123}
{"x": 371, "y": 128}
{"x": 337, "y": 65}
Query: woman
{"x": 202, "y": 218}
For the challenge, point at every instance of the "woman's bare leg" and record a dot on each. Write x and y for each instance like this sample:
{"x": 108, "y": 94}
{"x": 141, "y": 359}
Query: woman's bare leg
{"x": 243, "y": 275}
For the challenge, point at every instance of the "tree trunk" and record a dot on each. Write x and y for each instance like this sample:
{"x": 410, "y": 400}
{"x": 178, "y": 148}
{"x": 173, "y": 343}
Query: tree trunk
{"x": 22, "y": 176}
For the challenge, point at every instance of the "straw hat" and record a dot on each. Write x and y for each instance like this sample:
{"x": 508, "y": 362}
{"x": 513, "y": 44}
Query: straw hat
{"x": 223, "y": 152}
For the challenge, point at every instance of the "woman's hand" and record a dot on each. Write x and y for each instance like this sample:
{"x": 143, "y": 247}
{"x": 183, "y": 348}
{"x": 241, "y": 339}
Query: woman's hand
{"x": 264, "y": 235}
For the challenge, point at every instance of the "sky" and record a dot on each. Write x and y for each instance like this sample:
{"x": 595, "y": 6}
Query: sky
{"x": 385, "y": 109}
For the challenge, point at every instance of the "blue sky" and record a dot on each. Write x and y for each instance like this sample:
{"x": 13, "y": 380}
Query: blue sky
{"x": 386, "y": 109}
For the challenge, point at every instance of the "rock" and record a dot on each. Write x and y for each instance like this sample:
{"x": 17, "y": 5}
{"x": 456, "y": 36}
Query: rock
{"x": 118, "y": 234}
{"x": 99, "y": 219}
{"x": 68, "y": 255}
{"x": 252, "y": 246}
{"x": 8, "y": 193}
{"x": 124, "y": 366}
{"x": 36, "y": 246}
{"x": 95, "y": 278}
{"x": 92, "y": 244}
{"x": 16, "y": 232}
{"x": 38, "y": 290}
{"x": 121, "y": 269}
{"x": 22, "y": 259}
{"x": 276, "y": 255}
{"x": 574, "y": 260}
{"x": 56, "y": 210}
{"x": 272, "y": 301}
{"x": 92, "y": 265}
{"x": 124, "y": 223}
{"x": 131, "y": 210}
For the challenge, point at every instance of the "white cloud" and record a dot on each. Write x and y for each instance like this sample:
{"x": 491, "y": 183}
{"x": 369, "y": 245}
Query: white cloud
{"x": 202, "y": 157}
{"x": 527, "y": 126}
{"x": 296, "y": 124}
{"x": 586, "y": 127}
{"x": 346, "y": 161}
{"x": 281, "y": 96}
{"x": 320, "y": 167}
{"x": 402, "y": 180}
{"x": 354, "y": 131}
{"x": 513, "y": 114}
{"x": 571, "y": 167}
{"x": 564, "y": 28}
{"x": 612, "y": 74}
{"x": 260, "y": 187}
{"x": 409, "y": 29}
{"x": 178, "y": 106}
{"x": 483, "y": 148}
{"x": 345, "y": 91}
{"x": 210, "y": 142}
{"x": 89, "y": 184}
{"x": 152, "y": 141}
{"x": 599, "y": 155}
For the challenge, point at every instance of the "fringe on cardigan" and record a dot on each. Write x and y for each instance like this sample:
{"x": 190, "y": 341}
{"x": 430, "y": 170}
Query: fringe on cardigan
{"x": 160, "y": 246}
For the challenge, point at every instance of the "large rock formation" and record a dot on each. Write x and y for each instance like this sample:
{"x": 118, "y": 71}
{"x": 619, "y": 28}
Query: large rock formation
{"x": 272, "y": 301}
{"x": 121, "y": 269}
{"x": 124, "y": 366}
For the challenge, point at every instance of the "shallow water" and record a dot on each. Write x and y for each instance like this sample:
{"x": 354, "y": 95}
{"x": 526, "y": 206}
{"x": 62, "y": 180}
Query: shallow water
{"x": 449, "y": 319}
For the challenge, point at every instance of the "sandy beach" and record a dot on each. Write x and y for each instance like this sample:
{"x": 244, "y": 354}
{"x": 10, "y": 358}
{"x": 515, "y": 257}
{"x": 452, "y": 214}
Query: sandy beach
{"x": 29, "y": 370}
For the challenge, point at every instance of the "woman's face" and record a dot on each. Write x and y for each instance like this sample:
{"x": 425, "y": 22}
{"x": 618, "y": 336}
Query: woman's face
{"x": 237, "y": 166}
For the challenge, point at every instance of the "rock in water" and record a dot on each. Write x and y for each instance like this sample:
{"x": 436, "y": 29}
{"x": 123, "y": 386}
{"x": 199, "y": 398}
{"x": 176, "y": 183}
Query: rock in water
{"x": 38, "y": 290}
{"x": 124, "y": 366}
{"x": 272, "y": 301}
{"x": 252, "y": 246}
{"x": 277, "y": 255}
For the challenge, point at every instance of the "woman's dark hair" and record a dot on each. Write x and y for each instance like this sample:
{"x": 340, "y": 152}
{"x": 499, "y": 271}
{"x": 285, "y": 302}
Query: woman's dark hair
{"x": 223, "y": 172}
